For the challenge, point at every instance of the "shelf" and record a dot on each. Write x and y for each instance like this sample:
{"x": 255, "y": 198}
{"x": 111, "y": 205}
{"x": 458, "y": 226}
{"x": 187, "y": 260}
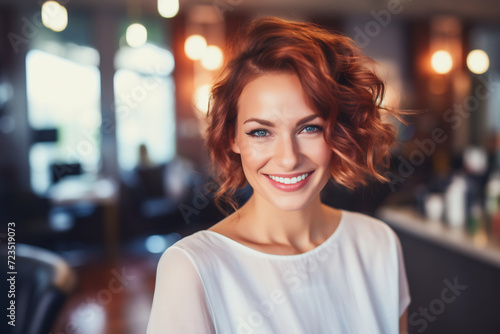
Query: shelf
{"x": 477, "y": 246}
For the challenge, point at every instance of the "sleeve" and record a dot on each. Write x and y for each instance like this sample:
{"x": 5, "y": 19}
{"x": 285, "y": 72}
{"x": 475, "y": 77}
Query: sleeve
{"x": 404, "y": 291}
{"x": 179, "y": 303}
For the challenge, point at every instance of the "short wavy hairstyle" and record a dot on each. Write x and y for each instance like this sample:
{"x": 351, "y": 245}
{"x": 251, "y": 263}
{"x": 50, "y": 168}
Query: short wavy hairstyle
{"x": 339, "y": 84}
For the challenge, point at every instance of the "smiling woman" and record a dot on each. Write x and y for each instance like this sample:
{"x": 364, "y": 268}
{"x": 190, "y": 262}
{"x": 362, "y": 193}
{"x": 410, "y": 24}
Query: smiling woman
{"x": 279, "y": 138}
{"x": 336, "y": 83}
{"x": 295, "y": 106}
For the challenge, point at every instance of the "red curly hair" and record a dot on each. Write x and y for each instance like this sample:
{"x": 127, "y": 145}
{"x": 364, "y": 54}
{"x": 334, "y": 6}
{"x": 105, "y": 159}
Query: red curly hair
{"x": 337, "y": 82}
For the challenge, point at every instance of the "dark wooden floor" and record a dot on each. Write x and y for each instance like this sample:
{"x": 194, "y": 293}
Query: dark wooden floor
{"x": 110, "y": 298}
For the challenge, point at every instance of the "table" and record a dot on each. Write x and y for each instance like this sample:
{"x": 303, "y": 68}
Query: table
{"x": 98, "y": 190}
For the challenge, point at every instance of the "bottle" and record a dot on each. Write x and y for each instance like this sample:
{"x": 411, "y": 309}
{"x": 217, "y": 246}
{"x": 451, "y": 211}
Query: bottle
{"x": 492, "y": 204}
{"x": 456, "y": 202}
{"x": 475, "y": 219}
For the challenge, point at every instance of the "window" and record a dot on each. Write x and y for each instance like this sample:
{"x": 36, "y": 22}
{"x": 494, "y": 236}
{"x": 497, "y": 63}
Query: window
{"x": 145, "y": 110}
{"x": 63, "y": 93}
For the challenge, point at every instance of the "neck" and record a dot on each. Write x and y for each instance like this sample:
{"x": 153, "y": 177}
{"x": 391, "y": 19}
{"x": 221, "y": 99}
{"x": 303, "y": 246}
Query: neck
{"x": 269, "y": 224}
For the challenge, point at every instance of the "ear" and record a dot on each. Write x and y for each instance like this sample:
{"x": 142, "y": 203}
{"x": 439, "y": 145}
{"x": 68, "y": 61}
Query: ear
{"x": 234, "y": 146}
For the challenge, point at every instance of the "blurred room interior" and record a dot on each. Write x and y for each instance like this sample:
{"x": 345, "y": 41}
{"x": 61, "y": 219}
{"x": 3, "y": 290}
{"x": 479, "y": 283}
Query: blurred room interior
{"x": 102, "y": 161}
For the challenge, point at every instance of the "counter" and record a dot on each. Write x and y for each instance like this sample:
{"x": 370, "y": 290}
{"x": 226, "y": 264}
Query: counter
{"x": 477, "y": 246}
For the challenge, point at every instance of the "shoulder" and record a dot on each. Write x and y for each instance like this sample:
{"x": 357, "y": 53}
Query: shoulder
{"x": 180, "y": 258}
{"x": 200, "y": 249}
{"x": 199, "y": 238}
{"x": 365, "y": 228}
{"x": 190, "y": 245}
{"x": 180, "y": 303}
{"x": 375, "y": 245}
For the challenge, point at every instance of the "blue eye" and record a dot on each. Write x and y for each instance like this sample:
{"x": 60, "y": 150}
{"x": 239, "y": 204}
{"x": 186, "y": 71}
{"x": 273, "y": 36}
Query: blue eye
{"x": 258, "y": 133}
{"x": 311, "y": 128}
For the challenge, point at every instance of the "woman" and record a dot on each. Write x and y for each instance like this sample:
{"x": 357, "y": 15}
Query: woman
{"x": 295, "y": 106}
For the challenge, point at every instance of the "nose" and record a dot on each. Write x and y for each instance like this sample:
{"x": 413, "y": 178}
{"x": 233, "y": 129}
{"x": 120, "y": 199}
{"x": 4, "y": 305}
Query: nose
{"x": 287, "y": 153}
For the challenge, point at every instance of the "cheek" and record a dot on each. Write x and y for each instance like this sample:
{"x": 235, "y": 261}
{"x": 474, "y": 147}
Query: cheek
{"x": 252, "y": 152}
{"x": 253, "y": 149}
{"x": 319, "y": 152}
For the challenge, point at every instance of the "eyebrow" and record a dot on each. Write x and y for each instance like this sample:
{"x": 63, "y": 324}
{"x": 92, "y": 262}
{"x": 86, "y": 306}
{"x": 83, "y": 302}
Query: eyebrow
{"x": 271, "y": 124}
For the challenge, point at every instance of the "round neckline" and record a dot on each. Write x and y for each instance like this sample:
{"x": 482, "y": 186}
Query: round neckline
{"x": 316, "y": 249}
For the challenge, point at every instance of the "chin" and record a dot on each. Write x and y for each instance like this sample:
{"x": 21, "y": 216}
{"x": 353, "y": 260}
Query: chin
{"x": 289, "y": 204}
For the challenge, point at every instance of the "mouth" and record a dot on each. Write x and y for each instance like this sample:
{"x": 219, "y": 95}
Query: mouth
{"x": 289, "y": 182}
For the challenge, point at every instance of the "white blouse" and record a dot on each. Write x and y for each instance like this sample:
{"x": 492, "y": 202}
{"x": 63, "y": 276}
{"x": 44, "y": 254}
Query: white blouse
{"x": 354, "y": 282}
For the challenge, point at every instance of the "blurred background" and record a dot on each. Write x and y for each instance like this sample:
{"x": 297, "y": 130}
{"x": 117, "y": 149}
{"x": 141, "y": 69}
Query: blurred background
{"x": 102, "y": 164}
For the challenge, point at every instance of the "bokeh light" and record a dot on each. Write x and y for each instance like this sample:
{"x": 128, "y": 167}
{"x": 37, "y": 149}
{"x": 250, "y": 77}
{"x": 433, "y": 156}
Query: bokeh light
{"x": 441, "y": 61}
{"x": 136, "y": 35}
{"x": 195, "y": 46}
{"x": 201, "y": 97}
{"x": 168, "y": 8}
{"x": 156, "y": 244}
{"x": 54, "y": 16}
{"x": 478, "y": 61}
{"x": 212, "y": 59}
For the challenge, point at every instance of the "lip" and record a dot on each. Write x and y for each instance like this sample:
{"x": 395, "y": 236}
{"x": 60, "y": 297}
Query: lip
{"x": 289, "y": 187}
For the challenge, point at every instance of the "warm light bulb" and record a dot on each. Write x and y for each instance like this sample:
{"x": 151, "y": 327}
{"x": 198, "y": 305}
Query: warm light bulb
{"x": 212, "y": 59}
{"x": 478, "y": 61}
{"x": 441, "y": 61}
{"x": 136, "y": 35}
{"x": 168, "y": 8}
{"x": 54, "y": 16}
{"x": 195, "y": 47}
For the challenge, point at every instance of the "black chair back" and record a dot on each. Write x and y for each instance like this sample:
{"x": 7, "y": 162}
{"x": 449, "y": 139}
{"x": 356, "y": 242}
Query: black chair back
{"x": 43, "y": 282}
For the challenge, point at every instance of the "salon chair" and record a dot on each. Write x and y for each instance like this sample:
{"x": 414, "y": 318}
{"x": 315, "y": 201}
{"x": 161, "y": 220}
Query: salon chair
{"x": 44, "y": 281}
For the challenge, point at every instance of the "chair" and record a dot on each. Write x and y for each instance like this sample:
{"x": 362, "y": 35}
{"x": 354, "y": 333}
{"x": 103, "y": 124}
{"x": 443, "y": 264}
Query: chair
{"x": 43, "y": 282}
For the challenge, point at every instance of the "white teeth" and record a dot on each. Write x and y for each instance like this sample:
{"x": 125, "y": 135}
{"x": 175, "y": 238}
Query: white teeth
{"x": 287, "y": 180}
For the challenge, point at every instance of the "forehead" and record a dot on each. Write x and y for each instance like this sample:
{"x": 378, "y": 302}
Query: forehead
{"x": 272, "y": 96}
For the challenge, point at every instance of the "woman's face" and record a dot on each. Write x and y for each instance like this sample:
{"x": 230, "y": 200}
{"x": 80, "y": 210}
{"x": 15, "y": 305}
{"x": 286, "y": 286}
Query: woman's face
{"x": 280, "y": 140}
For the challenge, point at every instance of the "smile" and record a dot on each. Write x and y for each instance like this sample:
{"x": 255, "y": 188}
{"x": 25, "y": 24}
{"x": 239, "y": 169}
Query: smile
{"x": 290, "y": 182}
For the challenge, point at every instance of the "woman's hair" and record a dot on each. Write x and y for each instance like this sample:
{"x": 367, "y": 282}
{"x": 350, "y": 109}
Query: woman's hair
{"x": 338, "y": 84}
